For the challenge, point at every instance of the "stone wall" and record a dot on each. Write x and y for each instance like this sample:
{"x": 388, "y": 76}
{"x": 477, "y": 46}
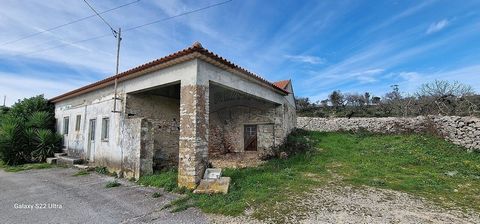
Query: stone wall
{"x": 227, "y": 128}
{"x": 164, "y": 114}
{"x": 464, "y": 131}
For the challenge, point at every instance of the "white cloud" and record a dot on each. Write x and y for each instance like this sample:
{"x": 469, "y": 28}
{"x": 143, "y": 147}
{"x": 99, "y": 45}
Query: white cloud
{"x": 437, "y": 26}
{"x": 306, "y": 59}
{"x": 19, "y": 86}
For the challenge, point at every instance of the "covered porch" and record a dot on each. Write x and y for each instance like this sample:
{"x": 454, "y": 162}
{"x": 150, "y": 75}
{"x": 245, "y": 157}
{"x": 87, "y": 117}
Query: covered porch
{"x": 192, "y": 127}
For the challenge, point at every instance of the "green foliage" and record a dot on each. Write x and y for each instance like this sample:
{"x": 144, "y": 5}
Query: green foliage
{"x": 434, "y": 98}
{"x": 29, "y": 166}
{"x": 157, "y": 195}
{"x": 296, "y": 142}
{"x": 113, "y": 183}
{"x": 101, "y": 170}
{"x": 166, "y": 180}
{"x": 81, "y": 173}
{"x": 27, "y": 132}
{"x": 47, "y": 144}
{"x": 26, "y": 107}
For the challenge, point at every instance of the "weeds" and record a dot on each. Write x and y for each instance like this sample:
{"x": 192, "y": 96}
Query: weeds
{"x": 81, "y": 173}
{"x": 111, "y": 184}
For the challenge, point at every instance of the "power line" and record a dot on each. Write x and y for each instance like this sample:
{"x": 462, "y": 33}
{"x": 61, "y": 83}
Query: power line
{"x": 105, "y": 21}
{"x": 117, "y": 35}
{"x": 126, "y": 30}
{"x": 181, "y": 14}
{"x": 66, "y": 24}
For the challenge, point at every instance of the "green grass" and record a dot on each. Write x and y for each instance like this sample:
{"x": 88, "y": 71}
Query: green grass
{"x": 421, "y": 165}
{"x": 28, "y": 166}
{"x": 157, "y": 195}
{"x": 81, "y": 173}
{"x": 112, "y": 183}
{"x": 166, "y": 180}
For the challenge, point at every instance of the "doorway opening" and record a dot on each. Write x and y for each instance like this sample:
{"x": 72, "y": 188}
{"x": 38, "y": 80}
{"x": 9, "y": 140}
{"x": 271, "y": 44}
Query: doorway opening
{"x": 250, "y": 137}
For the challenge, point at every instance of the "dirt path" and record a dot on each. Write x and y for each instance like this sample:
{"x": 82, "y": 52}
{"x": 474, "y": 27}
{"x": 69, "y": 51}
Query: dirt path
{"x": 335, "y": 204}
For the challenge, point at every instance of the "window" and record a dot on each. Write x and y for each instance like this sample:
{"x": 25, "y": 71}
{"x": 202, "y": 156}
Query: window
{"x": 105, "y": 127}
{"x": 66, "y": 120}
{"x": 77, "y": 122}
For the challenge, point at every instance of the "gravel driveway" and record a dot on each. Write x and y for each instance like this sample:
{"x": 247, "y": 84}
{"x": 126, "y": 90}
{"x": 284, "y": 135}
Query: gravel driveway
{"x": 62, "y": 198}
{"x": 345, "y": 204}
{"x": 56, "y": 196}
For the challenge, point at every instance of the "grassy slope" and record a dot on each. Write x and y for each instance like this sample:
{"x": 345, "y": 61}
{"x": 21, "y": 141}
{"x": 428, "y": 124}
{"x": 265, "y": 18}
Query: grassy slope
{"x": 411, "y": 163}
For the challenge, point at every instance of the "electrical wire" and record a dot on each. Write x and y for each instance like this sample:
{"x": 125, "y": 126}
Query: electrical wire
{"x": 66, "y": 24}
{"x": 105, "y": 21}
{"x": 126, "y": 30}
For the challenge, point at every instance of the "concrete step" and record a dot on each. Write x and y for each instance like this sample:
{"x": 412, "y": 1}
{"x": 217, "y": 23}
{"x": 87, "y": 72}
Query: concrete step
{"x": 84, "y": 167}
{"x": 52, "y": 160}
{"x": 59, "y": 154}
{"x": 69, "y": 161}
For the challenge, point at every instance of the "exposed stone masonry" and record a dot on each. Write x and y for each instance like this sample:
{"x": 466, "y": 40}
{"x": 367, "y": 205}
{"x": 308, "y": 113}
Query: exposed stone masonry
{"x": 193, "y": 144}
{"x": 464, "y": 131}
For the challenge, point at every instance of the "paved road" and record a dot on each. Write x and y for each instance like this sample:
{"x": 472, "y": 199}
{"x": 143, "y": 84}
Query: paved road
{"x": 59, "y": 197}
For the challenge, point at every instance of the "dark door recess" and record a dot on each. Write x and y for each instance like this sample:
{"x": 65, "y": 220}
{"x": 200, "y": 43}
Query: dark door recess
{"x": 250, "y": 138}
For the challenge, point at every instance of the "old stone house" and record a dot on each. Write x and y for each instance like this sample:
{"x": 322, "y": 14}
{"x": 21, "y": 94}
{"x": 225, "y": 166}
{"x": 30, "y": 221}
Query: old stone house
{"x": 174, "y": 112}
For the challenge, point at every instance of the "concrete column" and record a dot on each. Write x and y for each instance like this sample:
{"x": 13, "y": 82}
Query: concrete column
{"x": 193, "y": 146}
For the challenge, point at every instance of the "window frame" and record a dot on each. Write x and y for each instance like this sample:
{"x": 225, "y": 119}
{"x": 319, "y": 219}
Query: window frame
{"x": 78, "y": 122}
{"x": 66, "y": 125}
{"x": 105, "y": 133}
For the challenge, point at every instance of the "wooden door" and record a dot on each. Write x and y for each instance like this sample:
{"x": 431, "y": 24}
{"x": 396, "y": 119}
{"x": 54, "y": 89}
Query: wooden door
{"x": 250, "y": 137}
{"x": 91, "y": 140}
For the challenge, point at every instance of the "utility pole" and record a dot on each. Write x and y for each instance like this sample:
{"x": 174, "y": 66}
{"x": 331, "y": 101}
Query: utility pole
{"x": 118, "y": 35}
{"x": 119, "y": 38}
{"x": 4, "y": 99}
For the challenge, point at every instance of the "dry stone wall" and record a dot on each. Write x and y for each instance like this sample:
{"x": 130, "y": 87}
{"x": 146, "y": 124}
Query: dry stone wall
{"x": 464, "y": 131}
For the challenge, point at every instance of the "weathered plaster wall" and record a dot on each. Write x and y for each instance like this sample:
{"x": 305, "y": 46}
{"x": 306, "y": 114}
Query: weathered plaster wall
{"x": 137, "y": 142}
{"x": 464, "y": 131}
{"x": 95, "y": 105}
{"x": 164, "y": 114}
{"x": 98, "y": 104}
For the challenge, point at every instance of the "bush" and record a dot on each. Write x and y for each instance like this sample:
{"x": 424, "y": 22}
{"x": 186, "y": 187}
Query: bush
{"x": 297, "y": 141}
{"x": 27, "y": 132}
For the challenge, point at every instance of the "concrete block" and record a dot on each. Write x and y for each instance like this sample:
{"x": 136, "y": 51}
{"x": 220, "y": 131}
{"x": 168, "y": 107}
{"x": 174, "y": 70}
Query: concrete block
{"x": 69, "y": 161}
{"x": 83, "y": 167}
{"x": 59, "y": 154}
{"x": 52, "y": 160}
{"x": 213, "y": 186}
{"x": 212, "y": 173}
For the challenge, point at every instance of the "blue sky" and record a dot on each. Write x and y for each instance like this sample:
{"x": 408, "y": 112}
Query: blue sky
{"x": 352, "y": 46}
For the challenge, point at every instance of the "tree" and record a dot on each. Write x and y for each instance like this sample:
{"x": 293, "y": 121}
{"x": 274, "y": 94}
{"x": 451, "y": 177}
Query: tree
{"x": 324, "y": 103}
{"x": 336, "y": 99}
{"x": 302, "y": 103}
{"x": 446, "y": 98}
{"x": 367, "y": 98}
{"x": 376, "y": 100}
{"x": 27, "y": 132}
{"x": 442, "y": 88}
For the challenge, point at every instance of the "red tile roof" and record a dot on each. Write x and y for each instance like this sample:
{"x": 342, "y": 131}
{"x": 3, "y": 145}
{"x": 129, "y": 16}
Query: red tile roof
{"x": 282, "y": 84}
{"x": 195, "y": 48}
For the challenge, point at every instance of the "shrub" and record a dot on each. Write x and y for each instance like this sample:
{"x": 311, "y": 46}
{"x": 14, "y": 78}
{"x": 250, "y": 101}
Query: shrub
{"x": 111, "y": 184}
{"x": 27, "y": 132}
{"x": 297, "y": 141}
{"x": 47, "y": 143}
